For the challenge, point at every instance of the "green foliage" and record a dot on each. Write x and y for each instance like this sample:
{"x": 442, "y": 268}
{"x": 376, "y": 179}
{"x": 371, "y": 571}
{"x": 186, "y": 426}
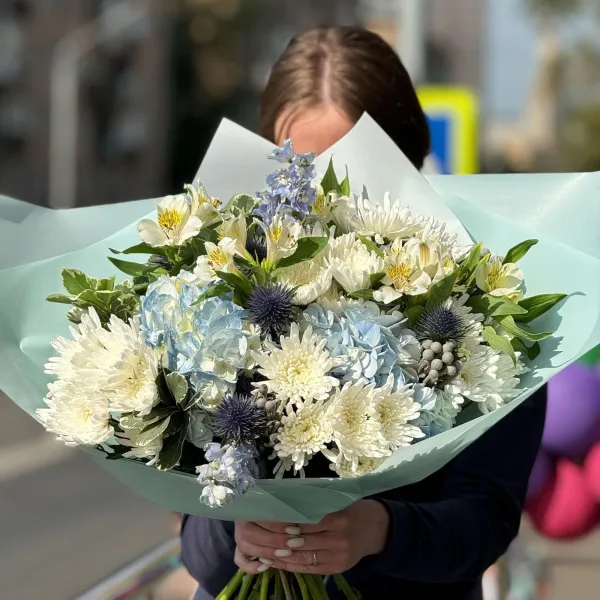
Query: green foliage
{"x": 493, "y": 306}
{"x": 468, "y": 266}
{"x": 516, "y": 253}
{"x": 498, "y": 342}
{"x": 536, "y": 306}
{"x": 308, "y": 248}
{"x": 440, "y": 291}
{"x": 371, "y": 245}
{"x": 330, "y": 182}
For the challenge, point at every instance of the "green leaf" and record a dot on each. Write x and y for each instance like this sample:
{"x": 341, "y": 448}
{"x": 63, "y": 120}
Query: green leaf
{"x": 345, "y": 185}
{"x": 164, "y": 393}
{"x": 217, "y": 289}
{"x": 516, "y": 253}
{"x": 89, "y": 298}
{"x": 152, "y": 431}
{"x": 330, "y": 182}
{"x": 440, "y": 291}
{"x": 467, "y": 267}
{"x": 497, "y": 342}
{"x": 74, "y": 315}
{"x": 308, "y": 248}
{"x": 106, "y": 285}
{"x": 414, "y": 314}
{"x": 60, "y": 299}
{"x": 76, "y": 281}
{"x": 178, "y": 386}
{"x": 236, "y": 282}
{"x": 243, "y": 202}
{"x": 375, "y": 278}
{"x": 362, "y": 294}
{"x": 172, "y": 449}
{"x": 536, "y": 306}
{"x": 131, "y": 421}
{"x": 532, "y": 352}
{"x": 492, "y": 306}
{"x": 142, "y": 248}
{"x": 509, "y": 325}
{"x": 371, "y": 245}
{"x": 130, "y": 268}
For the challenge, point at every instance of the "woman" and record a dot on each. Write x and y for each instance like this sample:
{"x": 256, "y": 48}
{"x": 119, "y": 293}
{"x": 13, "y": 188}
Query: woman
{"x": 432, "y": 540}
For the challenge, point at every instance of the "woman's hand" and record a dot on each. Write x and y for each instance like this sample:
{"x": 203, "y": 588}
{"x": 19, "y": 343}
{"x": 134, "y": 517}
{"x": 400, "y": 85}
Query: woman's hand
{"x": 333, "y": 546}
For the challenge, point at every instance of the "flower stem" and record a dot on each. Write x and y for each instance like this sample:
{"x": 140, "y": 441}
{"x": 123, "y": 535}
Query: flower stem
{"x": 265, "y": 579}
{"x": 278, "y": 587}
{"x": 316, "y": 587}
{"x": 344, "y": 587}
{"x": 286, "y": 586}
{"x": 246, "y": 586}
{"x": 303, "y": 587}
{"x": 231, "y": 587}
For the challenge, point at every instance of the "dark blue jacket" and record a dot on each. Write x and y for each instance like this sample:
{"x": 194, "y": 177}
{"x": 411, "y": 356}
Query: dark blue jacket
{"x": 445, "y": 531}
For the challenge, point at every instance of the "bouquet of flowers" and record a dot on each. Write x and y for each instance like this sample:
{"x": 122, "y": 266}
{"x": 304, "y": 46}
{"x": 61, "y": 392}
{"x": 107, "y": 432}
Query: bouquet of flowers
{"x": 267, "y": 335}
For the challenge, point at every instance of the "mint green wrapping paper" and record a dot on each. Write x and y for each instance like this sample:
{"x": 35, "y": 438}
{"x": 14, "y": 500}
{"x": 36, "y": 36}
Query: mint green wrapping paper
{"x": 562, "y": 211}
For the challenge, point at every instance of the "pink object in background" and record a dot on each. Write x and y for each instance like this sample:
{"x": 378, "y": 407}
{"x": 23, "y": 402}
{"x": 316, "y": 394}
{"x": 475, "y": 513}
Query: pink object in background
{"x": 565, "y": 508}
{"x": 592, "y": 472}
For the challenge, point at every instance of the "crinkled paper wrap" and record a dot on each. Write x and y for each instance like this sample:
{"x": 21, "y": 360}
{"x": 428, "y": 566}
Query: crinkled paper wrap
{"x": 562, "y": 211}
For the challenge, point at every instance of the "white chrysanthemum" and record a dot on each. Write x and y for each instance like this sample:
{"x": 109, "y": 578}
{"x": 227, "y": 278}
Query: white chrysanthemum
{"x": 386, "y": 221}
{"x": 472, "y": 322}
{"x": 394, "y": 410}
{"x": 311, "y": 279}
{"x": 334, "y": 301}
{"x": 365, "y": 466}
{"x": 352, "y": 263}
{"x": 76, "y": 414}
{"x": 498, "y": 279}
{"x": 175, "y": 225}
{"x": 357, "y": 430}
{"x": 488, "y": 377}
{"x": 299, "y": 370}
{"x": 130, "y": 367}
{"x": 303, "y": 433}
{"x": 433, "y": 231}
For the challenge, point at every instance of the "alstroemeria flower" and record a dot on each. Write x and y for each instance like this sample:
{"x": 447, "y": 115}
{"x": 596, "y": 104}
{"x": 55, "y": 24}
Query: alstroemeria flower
{"x": 498, "y": 279}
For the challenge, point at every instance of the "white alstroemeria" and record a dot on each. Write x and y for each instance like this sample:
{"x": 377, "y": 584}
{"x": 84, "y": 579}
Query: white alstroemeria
{"x": 357, "y": 429}
{"x": 302, "y": 434}
{"x": 498, "y": 279}
{"x": 236, "y": 228}
{"x": 394, "y": 410}
{"x": 352, "y": 263}
{"x": 331, "y": 206}
{"x": 217, "y": 258}
{"x": 175, "y": 225}
{"x": 299, "y": 370}
{"x": 403, "y": 276}
{"x": 431, "y": 256}
{"x": 76, "y": 414}
{"x": 281, "y": 236}
{"x": 310, "y": 279}
{"x": 387, "y": 221}
{"x": 203, "y": 206}
{"x": 433, "y": 231}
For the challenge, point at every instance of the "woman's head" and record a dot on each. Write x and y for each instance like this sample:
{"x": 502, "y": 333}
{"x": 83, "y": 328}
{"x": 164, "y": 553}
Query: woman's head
{"x": 327, "y": 78}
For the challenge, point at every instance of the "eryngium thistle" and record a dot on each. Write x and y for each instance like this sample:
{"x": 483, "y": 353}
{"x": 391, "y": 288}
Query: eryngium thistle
{"x": 270, "y": 307}
{"x": 237, "y": 420}
{"x": 440, "y": 324}
{"x": 257, "y": 246}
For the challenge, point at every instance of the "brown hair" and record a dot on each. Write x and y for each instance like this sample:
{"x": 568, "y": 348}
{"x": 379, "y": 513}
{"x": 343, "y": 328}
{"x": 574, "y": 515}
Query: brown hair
{"x": 357, "y": 71}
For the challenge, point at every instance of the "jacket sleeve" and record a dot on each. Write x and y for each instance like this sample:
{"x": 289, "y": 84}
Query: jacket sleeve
{"x": 479, "y": 512}
{"x": 207, "y": 548}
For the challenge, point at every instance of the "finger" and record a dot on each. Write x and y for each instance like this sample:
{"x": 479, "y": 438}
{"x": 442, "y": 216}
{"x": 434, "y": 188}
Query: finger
{"x": 309, "y": 558}
{"x": 332, "y": 522}
{"x": 252, "y": 533}
{"x": 320, "y": 569}
{"x": 282, "y": 528}
{"x": 249, "y": 566}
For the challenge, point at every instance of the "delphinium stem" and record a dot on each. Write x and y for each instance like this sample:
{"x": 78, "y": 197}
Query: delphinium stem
{"x": 247, "y": 582}
{"x": 316, "y": 587}
{"x": 265, "y": 579}
{"x": 303, "y": 587}
{"x": 231, "y": 587}
{"x": 344, "y": 587}
{"x": 286, "y": 586}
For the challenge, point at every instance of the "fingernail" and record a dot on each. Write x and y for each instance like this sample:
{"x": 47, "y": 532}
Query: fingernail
{"x": 263, "y": 568}
{"x": 266, "y": 561}
{"x": 282, "y": 553}
{"x": 293, "y": 530}
{"x": 296, "y": 542}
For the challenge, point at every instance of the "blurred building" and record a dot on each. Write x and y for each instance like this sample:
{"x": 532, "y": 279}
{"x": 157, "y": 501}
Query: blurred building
{"x": 123, "y": 83}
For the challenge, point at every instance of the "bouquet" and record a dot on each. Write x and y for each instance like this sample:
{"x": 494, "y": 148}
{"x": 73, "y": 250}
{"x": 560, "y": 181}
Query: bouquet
{"x": 267, "y": 334}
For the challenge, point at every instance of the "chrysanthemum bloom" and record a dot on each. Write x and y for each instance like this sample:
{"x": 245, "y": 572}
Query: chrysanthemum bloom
{"x": 310, "y": 279}
{"x": 299, "y": 370}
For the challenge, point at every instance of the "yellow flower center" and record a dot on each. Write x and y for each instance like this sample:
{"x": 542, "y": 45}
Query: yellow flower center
{"x": 170, "y": 219}
{"x": 399, "y": 274}
{"x": 321, "y": 207}
{"x": 276, "y": 232}
{"x": 217, "y": 258}
{"x": 495, "y": 275}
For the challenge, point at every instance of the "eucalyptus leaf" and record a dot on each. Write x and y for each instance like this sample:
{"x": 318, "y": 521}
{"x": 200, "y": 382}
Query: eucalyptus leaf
{"x": 516, "y": 253}
{"x": 307, "y": 249}
{"x": 498, "y": 342}
{"x": 536, "y": 306}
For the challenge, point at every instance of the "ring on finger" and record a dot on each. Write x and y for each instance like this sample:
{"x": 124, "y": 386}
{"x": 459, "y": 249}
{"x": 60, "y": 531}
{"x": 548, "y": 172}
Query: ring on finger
{"x": 315, "y": 560}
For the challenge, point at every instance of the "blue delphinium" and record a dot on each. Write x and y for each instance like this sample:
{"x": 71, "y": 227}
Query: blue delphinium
{"x": 290, "y": 189}
{"x": 374, "y": 345}
{"x": 230, "y": 472}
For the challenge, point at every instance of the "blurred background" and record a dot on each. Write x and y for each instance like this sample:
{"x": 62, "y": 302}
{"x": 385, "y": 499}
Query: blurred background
{"x": 106, "y": 101}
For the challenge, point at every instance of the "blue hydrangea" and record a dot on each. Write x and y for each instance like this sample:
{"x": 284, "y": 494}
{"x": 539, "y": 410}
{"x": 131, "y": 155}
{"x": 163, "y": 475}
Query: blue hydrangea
{"x": 290, "y": 189}
{"x": 374, "y": 345}
{"x": 230, "y": 472}
{"x": 210, "y": 342}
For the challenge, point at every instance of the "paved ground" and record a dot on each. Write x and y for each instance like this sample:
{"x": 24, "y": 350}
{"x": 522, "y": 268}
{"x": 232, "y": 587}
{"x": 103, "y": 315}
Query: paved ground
{"x": 64, "y": 523}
